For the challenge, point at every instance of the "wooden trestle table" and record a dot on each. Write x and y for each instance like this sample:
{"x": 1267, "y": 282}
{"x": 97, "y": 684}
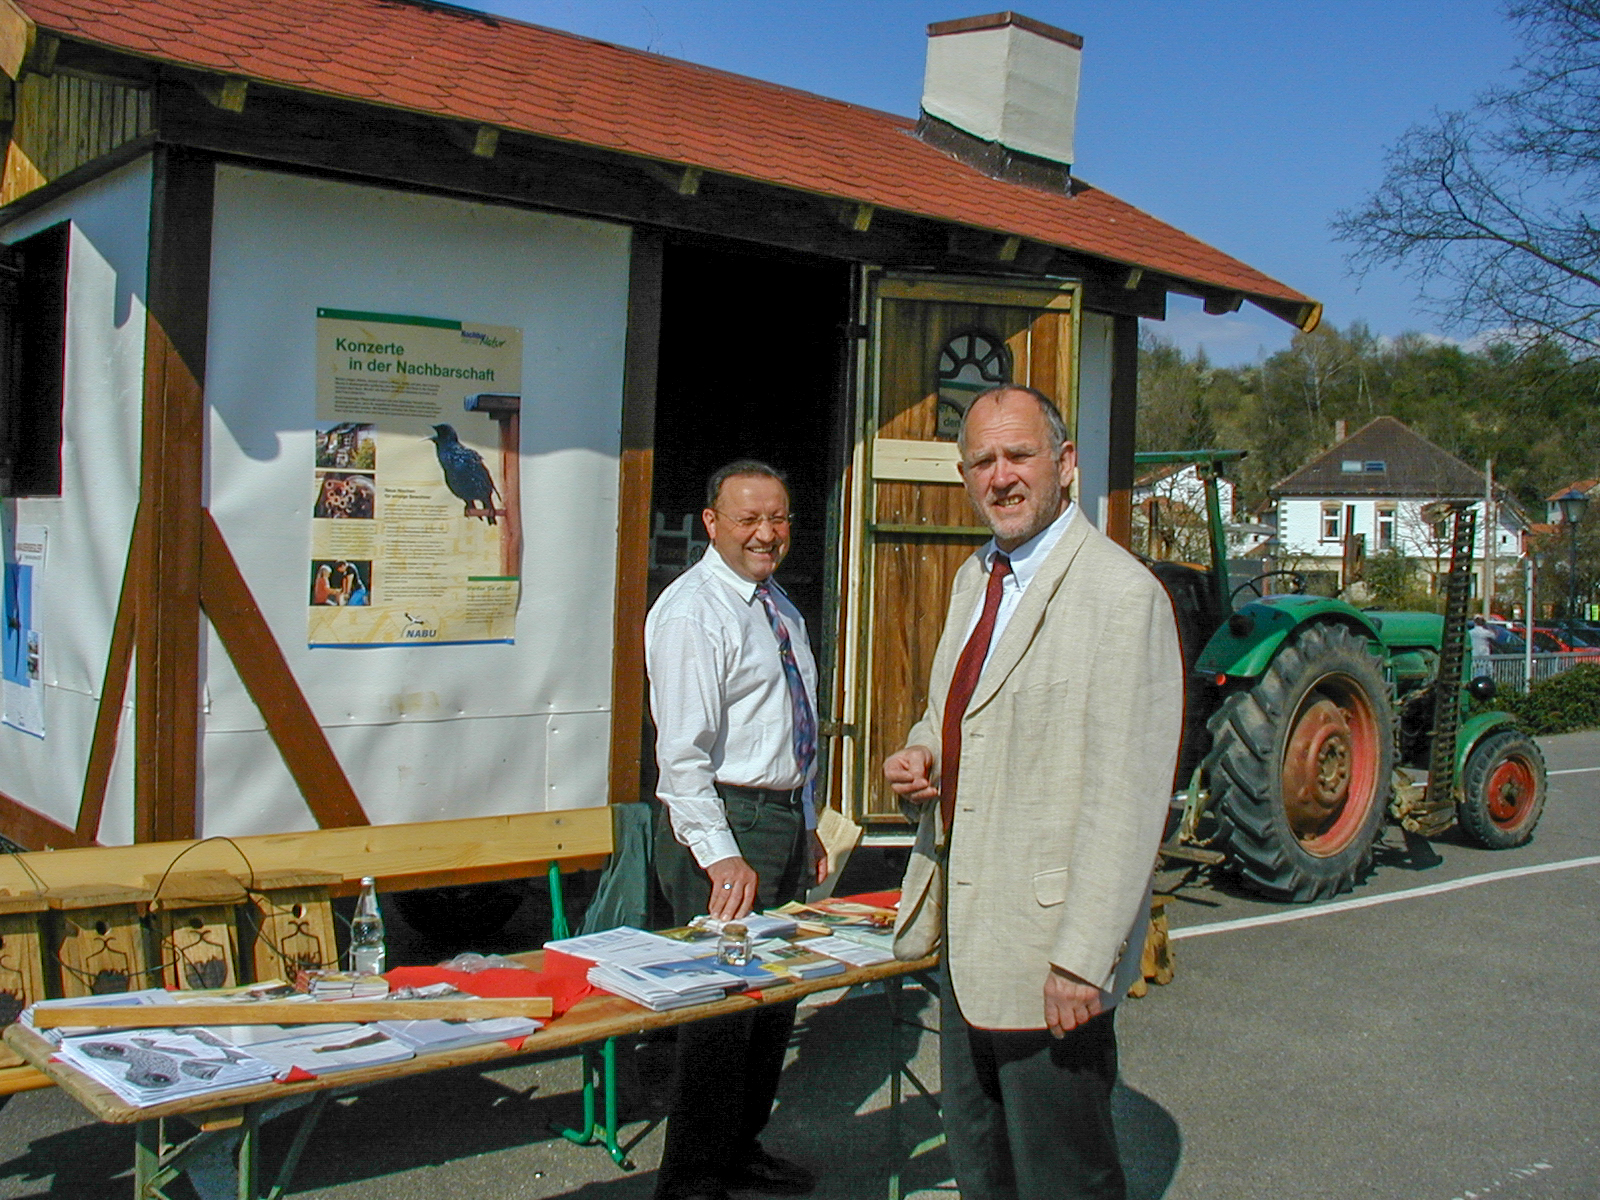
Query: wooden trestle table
{"x": 595, "y": 1019}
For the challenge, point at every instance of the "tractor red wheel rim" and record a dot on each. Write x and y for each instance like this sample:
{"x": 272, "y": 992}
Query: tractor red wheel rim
{"x": 1330, "y": 765}
{"x": 1511, "y": 792}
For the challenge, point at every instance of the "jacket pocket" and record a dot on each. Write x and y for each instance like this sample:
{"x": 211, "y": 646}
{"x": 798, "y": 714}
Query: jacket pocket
{"x": 1050, "y": 887}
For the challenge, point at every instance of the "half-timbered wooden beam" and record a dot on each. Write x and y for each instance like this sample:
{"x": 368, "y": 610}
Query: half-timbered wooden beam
{"x": 266, "y": 675}
{"x": 113, "y": 689}
{"x": 167, "y": 579}
{"x": 1124, "y": 412}
{"x": 637, "y": 477}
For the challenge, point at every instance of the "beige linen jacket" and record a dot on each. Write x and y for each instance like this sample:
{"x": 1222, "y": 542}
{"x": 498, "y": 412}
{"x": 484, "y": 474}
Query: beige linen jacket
{"x": 1068, "y": 749}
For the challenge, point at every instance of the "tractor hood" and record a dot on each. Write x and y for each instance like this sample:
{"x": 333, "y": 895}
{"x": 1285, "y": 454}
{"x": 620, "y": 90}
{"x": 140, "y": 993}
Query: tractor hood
{"x": 1401, "y": 629}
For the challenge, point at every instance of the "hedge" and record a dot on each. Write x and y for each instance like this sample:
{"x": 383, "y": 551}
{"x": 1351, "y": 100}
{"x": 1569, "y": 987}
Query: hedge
{"x": 1561, "y": 704}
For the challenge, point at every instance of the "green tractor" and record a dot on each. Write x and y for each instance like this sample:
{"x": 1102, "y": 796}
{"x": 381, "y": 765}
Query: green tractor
{"x": 1309, "y": 722}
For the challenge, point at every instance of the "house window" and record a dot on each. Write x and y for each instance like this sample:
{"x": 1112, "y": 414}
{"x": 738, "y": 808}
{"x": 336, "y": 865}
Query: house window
{"x": 1330, "y": 522}
{"x": 1385, "y": 528}
{"x": 33, "y": 336}
{"x": 970, "y": 362}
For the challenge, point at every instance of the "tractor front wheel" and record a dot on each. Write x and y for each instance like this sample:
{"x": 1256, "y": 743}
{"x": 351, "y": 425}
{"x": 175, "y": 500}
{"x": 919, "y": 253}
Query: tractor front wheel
{"x": 1300, "y": 767}
{"x": 1502, "y": 790}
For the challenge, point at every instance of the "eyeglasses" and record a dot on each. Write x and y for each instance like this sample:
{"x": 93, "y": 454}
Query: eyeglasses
{"x": 781, "y": 521}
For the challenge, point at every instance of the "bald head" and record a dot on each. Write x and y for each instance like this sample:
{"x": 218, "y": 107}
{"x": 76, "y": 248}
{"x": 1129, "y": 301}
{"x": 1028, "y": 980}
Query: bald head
{"x": 1055, "y": 426}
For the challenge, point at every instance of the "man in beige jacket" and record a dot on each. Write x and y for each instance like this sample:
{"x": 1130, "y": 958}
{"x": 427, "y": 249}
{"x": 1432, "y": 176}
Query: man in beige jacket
{"x": 1039, "y": 777}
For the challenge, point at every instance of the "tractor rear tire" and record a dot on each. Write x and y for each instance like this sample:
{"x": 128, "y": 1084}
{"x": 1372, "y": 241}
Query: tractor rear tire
{"x": 1502, "y": 790}
{"x": 1300, "y": 767}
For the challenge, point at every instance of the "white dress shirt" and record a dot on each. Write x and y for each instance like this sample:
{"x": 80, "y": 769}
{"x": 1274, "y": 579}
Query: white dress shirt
{"x": 1025, "y": 562}
{"x": 720, "y": 700}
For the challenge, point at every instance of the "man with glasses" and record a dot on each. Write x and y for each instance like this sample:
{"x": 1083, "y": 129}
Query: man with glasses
{"x": 733, "y": 692}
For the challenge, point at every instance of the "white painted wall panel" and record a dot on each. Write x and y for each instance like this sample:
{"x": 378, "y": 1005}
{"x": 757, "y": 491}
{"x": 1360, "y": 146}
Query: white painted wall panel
{"x": 1093, "y": 434}
{"x": 438, "y": 731}
{"x": 89, "y": 524}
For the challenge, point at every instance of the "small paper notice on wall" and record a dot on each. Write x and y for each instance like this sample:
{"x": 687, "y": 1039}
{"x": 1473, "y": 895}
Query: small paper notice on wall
{"x": 22, "y": 692}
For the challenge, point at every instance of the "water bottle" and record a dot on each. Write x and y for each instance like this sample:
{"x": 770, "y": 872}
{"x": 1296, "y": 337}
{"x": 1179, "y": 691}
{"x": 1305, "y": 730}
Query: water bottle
{"x": 366, "y": 932}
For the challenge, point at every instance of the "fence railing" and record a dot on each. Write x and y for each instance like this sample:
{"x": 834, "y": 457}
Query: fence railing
{"x": 1510, "y": 670}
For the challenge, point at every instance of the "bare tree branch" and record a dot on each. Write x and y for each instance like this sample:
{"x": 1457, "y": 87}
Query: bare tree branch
{"x": 1488, "y": 209}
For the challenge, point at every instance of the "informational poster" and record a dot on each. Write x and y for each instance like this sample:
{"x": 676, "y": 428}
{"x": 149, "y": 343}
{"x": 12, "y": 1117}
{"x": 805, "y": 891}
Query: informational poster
{"x": 416, "y": 522}
{"x": 22, "y": 702}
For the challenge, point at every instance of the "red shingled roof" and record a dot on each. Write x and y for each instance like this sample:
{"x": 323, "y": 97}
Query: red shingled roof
{"x": 471, "y": 66}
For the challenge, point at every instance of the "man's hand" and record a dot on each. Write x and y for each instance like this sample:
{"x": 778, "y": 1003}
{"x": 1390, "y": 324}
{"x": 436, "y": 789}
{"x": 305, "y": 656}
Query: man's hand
{"x": 819, "y": 857}
{"x": 907, "y": 772}
{"x": 1068, "y": 1002}
{"x": 733, "y": 888}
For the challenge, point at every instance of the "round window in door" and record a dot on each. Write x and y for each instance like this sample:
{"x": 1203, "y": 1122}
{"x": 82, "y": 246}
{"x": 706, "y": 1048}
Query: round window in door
{"x": 970, "y": 362}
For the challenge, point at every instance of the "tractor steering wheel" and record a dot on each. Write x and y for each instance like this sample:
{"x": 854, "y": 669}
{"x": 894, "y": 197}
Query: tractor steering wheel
{"x": 1254, "y": 584}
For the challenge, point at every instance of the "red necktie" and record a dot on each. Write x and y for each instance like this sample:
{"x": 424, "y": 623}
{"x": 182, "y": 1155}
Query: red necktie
{"x": 962, "y": 684}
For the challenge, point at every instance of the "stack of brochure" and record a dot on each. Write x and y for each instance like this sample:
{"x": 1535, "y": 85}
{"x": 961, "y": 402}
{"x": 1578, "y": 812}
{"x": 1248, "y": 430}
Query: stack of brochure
{"x": 341, "y": 1049}
{"x": 797, "y": 962}
{"x": 848, "y": 950}
{"x": 154, "y": 1066}
{"x": 426, "y": 1036}
{"x": 864, "y": 923}
{"x": 661, "y": 986}
{"x": 113, "y": 1000}
{"x": 625, "y": 946}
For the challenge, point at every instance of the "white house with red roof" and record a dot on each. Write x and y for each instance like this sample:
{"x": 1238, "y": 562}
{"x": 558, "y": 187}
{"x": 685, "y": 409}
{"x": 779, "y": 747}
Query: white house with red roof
{"x": 229, "y": 226}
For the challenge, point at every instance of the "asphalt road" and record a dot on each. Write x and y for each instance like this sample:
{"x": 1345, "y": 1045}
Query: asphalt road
{"x": 1437, "y": 1045}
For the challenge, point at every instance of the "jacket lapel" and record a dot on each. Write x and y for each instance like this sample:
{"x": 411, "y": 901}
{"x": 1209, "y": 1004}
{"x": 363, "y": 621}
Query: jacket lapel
{"x": 1024, "y": 623}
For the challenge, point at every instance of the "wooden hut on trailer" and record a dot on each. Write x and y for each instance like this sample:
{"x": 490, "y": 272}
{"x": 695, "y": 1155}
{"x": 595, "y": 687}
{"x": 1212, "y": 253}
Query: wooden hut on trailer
{"x": 364, "y": 355}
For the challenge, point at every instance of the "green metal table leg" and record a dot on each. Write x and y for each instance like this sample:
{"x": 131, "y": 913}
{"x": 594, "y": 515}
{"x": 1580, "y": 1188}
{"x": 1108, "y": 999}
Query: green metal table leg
{"x": 586, "y": 1135}
{"x": 608, "y": 1054}
{"x": 558, "y": 908}
{"x": 291, "y": 1158}
{"x": 891, "y": 996}
{"x": 600, "y": 1092}
{"x": 897, "y": 1071}
{"x": 146, "y": 1160}
{"x": 249, "y": 1159}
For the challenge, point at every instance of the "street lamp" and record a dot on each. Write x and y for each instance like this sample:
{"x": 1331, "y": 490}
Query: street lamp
{"x": 1572, "y": 503}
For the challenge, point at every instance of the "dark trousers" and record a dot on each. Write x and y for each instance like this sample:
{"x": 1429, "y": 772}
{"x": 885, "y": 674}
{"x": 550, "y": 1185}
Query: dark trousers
{"x": 728, "y": 1067}
{"x": 1028, "y": 1116}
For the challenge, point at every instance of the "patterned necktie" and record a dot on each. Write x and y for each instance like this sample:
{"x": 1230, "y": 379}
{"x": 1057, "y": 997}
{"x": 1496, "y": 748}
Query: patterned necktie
{"x": 962, "y": 684}
{"x": 805, "y": 721}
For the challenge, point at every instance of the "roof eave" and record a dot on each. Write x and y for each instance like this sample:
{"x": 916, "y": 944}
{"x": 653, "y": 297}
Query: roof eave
{"x": 19, "y": 35}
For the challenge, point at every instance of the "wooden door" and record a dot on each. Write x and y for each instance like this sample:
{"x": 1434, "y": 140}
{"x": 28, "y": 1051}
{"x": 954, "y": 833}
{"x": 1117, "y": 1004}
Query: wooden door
{"x": 936, "y": 342}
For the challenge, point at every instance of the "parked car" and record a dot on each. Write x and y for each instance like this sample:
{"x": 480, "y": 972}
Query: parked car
{"x": 1547, "y": 640}
{"x": 1577, "y": 633}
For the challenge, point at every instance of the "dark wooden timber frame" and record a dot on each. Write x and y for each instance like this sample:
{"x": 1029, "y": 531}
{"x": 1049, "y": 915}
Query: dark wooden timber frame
{"x": 166, "y": 575}
{"x": 1124, "y": 410}
{"x": 178, "y": 564}
{"x": 636, "y": 478}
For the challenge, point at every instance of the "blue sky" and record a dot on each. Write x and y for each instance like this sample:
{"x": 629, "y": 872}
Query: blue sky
{"x": 1248, "y": 123}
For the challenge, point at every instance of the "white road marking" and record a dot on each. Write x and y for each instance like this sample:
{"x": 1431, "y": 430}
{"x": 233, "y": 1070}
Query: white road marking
{"x": 1573, "y": 771}
{"x": 1338, "y": 906}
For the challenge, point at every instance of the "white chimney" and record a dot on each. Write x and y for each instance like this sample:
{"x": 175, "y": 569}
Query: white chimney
{"x": 1005, "y": 79}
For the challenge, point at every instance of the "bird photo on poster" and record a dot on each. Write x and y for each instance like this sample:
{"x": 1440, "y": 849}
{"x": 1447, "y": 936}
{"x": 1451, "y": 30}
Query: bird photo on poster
{"x": 465, "y": 473}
